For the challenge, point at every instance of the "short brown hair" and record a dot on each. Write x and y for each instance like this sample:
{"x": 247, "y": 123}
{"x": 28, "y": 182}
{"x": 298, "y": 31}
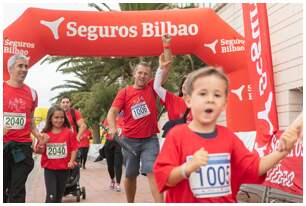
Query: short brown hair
{"x": 203, "y": 72}
{"x": 145, "y": 64}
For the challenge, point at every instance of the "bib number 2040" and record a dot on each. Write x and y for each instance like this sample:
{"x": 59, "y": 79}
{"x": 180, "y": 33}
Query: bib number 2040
{"x": 56, "y": 151}
{"x": 14, "y": 120}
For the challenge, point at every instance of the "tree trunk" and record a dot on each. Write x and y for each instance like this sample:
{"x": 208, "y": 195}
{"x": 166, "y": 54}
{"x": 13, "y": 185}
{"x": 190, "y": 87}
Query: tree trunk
{"x": 96, "y": 134}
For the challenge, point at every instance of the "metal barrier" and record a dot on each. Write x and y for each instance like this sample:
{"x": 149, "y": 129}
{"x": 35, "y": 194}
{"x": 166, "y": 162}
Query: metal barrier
{"x": 265, "y": 194}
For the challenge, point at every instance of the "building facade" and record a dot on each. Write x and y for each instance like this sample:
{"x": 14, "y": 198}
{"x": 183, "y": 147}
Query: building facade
{"x": 286, "y": 36}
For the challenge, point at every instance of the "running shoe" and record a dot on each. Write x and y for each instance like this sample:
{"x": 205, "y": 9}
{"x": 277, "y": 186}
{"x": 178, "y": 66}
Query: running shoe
{"x": 112, "y": 184}
{"x": 117, "y": 188}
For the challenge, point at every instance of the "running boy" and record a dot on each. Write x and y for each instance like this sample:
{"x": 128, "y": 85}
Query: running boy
{"x": 202, "y": 161}
{"x": 59, "y": 153}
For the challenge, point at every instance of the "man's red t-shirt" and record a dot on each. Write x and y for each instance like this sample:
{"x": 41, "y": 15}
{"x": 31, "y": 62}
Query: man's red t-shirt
{"x": 78, "y": 116}
{"x": 18, "y": 106}
{"x": 58, "y": 150}
{"x": 241, "y": 167}
{"x": 140, "y": 112}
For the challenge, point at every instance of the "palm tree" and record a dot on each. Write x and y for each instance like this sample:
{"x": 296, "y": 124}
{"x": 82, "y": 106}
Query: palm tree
{"x": 133, "y": 6}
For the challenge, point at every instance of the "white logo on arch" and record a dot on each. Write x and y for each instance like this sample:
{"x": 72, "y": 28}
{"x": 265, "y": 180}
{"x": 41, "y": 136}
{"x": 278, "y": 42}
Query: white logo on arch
{"x": 264, "y": 115}
{"x": 212, "y": 46}
{"x": 238, "y": 92}
{"x": 53, "y": 26}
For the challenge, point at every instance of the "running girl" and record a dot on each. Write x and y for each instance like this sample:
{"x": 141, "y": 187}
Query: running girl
{"x": 59, "y": 153}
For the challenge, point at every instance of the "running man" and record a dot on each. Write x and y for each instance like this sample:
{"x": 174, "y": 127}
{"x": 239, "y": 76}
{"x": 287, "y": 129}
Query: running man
{"x": 137, "y": 102}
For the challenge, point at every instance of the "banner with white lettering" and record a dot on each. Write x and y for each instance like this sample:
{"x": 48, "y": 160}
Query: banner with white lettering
{"x": 239, "y": 110}
{"x": 287, "y": 175}
{"x": 200, "y": 31}
{"x": 260, "y": 69}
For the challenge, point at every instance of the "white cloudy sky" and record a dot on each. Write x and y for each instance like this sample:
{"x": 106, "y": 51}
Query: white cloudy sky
{"x": 42, "y": 77}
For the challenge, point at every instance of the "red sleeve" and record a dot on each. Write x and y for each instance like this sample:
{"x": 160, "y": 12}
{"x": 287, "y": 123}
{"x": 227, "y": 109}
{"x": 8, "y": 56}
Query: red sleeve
{"x": 35, "y": 103}
{"x": 246, "y": 163}
{"x": 119, "y": 100}
{"x": 78, "y": 115}
{"x": 167, "y": 159}
{"x": 105, "y": 122}
{"x": 86, "y": 134}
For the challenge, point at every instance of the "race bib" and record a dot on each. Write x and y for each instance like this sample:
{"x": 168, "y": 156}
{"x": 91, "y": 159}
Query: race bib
{"x": 56, "y": 150}
{"x": 213, "y": 179}
{"x": 140, "y": 110}
{"x": 13, "y": 120}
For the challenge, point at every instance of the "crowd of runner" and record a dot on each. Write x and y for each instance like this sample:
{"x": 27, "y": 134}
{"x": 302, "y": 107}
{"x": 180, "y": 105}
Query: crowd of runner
{"x": 200, "y": 161}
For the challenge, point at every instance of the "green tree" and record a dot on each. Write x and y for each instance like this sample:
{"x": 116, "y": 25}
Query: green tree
{"x": 97, "y": 106}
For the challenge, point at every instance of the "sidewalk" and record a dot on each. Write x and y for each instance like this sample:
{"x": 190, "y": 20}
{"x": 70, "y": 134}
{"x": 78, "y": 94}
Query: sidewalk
{"x": 95, "y": 179}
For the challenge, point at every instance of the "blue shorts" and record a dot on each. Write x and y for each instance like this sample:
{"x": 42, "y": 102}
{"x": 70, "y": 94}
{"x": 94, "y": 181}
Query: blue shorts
{"x": 146, "y": 149}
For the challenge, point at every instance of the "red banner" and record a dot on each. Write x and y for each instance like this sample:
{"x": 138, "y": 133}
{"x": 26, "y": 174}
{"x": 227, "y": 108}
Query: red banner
{"x": 201, "y": 31}
{"x": 259, "y": 62}
{"x": 38, "y": 32}
{"x": 239, "y": 111}
{"x": 288, "y": 174}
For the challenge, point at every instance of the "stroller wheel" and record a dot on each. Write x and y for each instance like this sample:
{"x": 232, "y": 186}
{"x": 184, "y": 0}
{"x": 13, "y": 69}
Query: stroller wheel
{"x": 78, "y": 195}
{"x": 83, "y": 193}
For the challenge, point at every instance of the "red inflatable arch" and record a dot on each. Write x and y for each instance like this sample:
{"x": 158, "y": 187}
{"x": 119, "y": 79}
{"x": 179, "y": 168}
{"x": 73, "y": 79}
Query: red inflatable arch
{"x": 40, "y": 32}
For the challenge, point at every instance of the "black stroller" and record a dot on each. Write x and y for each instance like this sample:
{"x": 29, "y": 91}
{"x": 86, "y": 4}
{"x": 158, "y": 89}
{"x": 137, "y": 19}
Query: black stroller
{"x": 73, "y": 182}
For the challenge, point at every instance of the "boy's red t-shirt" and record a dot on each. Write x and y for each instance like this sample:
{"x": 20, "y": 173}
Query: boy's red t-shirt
{"x": 181, "y": 142}
{"x": 57, "y": 152}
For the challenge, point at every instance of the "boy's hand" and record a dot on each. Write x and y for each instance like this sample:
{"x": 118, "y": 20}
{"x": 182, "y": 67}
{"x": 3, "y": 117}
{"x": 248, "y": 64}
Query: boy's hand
{"x": 291, "y": 134}
{"x": 287, "y": 140}
{"x": 200, "y": 158}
